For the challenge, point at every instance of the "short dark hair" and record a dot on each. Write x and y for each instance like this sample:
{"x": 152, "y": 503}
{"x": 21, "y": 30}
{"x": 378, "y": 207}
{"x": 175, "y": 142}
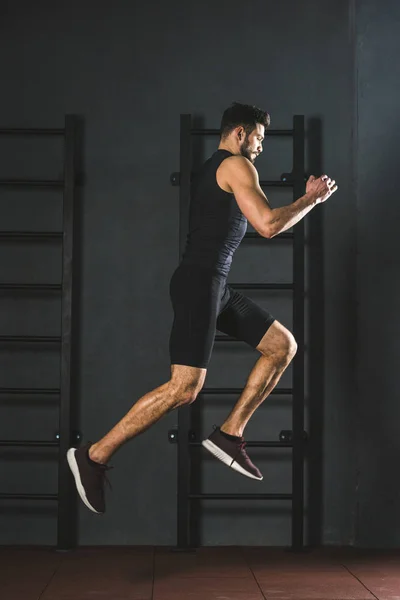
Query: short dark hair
{"x": 243, "y": 114}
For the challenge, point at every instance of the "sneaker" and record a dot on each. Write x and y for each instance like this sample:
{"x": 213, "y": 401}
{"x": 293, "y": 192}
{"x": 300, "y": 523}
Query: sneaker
{"x": 232, "y": 453}
{"x": 89, "y": 478}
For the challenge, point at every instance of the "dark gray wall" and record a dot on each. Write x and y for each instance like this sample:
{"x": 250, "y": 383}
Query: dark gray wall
{"x": 129, "y": 70}
{"x": 378, "y": 268}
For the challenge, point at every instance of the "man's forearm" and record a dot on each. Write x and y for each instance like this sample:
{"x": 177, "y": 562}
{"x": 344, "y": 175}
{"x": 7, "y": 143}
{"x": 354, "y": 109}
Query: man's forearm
{"x": 286, "y": 217}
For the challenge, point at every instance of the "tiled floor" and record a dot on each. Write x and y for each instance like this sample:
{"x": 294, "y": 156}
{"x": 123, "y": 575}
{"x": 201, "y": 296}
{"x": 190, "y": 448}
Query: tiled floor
{"x": 147, "y": 573}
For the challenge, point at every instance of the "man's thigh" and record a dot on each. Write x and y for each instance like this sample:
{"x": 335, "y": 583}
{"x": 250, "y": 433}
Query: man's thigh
{"x": 243, "y": 319}
{"x": 195, "y": 297}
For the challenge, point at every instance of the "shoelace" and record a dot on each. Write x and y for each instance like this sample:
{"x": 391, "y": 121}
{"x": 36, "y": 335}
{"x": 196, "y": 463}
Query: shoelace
{"x": 103, "y": 469}
{"x": 242, "y": 448}
{"x": 241, "y": 445}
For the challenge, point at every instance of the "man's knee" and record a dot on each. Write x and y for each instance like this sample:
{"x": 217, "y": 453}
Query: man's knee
{"x": 187, "y": 397}
{"x": 289, "y": 348}
{"x": 185, "y": 394}
{"x": 278, "y": 343}
{"x": 186, "y": 384}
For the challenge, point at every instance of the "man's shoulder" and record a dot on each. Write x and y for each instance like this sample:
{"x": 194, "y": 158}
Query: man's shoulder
{"x": 234, "y": 159}
{"x": 237, "y": 163}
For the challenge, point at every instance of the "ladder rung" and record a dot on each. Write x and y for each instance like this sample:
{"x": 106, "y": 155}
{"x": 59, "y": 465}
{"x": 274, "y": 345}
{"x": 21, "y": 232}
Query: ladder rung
{"x": 33, "y": 131}
{"x": 32, "y": 183}
{"x": 276, "y": 183}
{"x": 229, "y": 338}
{"x": 28, "y": 496}
{"x": 29, "y": 444}
{"x": 257, "y": 444}
{"x": 240, "y": 496}
{"x": 41, "y": 391}
{"x": 226, "y": 390}
{"x": 31, "y": 338}
{"x": 282, "y": 236}
{"x": 31, "y": 286}
{"x": 262, "y": 286}
{"x": 31, "y": 235}
{"x": 273, "y": 132}
{"x": 226, "y": 338}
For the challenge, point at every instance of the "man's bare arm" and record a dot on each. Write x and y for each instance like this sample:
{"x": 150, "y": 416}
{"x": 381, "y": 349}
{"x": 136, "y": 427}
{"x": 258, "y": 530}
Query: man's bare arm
{"x": 285, "y": 217}
{"x": 242, "y": 179}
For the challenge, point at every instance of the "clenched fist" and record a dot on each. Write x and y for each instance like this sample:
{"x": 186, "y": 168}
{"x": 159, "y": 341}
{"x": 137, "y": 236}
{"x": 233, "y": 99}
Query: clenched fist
{"x": 322, "y": 188}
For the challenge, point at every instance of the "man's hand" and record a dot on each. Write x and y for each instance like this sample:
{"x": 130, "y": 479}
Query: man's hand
{"x": 321, "y": 188}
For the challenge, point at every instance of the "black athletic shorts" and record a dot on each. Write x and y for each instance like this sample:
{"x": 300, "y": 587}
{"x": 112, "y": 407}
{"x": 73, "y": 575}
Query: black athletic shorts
{"x": 203, "y": 302}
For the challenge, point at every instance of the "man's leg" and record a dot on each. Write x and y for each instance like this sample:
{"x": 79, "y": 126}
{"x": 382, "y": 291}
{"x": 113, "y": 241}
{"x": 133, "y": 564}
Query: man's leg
{"x": 87, "y": 463}
{"x": 278, "y": 348}
{"x": 183, "y": 388}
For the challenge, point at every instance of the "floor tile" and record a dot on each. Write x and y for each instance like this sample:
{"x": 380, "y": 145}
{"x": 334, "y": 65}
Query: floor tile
{"x": 103, "y": 573}
{"x": 206, "y": 588}
{"x": 25, "y": 573}
{"x": 205, "y": 562}
{"x": 310, "y": 585}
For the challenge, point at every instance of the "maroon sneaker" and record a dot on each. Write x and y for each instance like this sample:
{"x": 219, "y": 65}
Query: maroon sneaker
{"x": 89, "y": 478}
{"x": 232, "y": 453}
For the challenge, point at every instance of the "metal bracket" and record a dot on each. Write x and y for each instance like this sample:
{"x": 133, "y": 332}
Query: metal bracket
{"x": 288, "y": 177}
{"x": 173, "y": 436}
{"x": 286, "y": 435}
{"x": 175, "y": 178}
{"x": 76, "y": 437}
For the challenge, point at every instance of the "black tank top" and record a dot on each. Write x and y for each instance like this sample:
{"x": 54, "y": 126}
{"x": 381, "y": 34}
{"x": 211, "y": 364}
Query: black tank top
{"x": 216, "y": 224}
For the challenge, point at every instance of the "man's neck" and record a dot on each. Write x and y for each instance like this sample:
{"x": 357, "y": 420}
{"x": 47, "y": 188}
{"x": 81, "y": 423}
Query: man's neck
{"x": 229, "y": 147}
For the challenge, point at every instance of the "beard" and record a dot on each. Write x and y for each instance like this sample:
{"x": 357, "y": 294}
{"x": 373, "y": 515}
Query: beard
{"x": 245, "y": 150}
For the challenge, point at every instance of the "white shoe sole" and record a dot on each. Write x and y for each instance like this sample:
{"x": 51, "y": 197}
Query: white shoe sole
{"x": 226, "y": 459}
{"x": 73, "y": 465}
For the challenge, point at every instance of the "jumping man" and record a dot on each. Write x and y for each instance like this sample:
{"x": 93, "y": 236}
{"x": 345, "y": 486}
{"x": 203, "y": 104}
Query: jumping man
{"x": 225, "y": 195}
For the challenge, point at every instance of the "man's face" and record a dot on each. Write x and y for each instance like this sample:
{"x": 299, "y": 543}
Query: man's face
{"x": 252, "y": 144}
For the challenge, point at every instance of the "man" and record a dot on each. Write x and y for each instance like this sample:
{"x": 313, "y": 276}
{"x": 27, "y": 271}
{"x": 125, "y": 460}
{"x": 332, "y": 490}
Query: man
{"x": 225, "y": 194}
